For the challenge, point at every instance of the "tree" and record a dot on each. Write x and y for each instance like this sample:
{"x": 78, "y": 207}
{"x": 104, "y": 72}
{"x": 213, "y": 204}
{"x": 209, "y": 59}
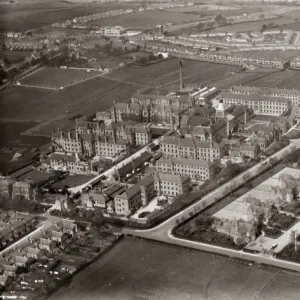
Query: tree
{"x": 220, "y": 19}
{"x": 264, "y": 27}
{"x": 286, "y": 65}
{"x": 208, "y": 103}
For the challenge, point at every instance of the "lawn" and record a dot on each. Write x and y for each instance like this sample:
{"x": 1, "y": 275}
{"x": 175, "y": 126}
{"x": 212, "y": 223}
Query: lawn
{"x": 146, "y": 270}
{"x": 146, "y": 19}
{"x": 56, "y": 78}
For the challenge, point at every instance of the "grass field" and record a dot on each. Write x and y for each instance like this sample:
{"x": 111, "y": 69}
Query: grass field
{"x": 284, "y": 79}
{"x": 141, "y": 270}
{"x": 55, "y": 78}
{"x": 146, "y": 19}
{"x": 30, "y": 15}
{"x": 15, "y": 56}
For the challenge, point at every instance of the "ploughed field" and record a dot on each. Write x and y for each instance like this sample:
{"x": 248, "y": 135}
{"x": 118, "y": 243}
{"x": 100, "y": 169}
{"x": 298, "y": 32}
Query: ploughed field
{"x": 140, "y": 270}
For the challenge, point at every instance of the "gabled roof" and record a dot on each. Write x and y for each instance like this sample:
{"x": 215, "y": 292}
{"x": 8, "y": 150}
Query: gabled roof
{"x": 170, "y": 178}
{"x": 134, "y": 189}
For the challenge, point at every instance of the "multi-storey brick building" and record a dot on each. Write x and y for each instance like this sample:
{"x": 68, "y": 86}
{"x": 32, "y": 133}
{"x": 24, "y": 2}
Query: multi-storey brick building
{"x": 71, "y": 163}
{"x": 6, "y": 184}
{"x": 154, "y": 184}
{"x": 135, "y": 196}
{"x": 67, "y": 142}
{"x": 195, "y": 169}
{"x": 192, "y": 149}
{"x": 23, "y": 189}
{"x": 109, "y": 147}
{"x": 264, "y": 105}
{"x": 171, "y": 184}
{"x": 292, "y": 95}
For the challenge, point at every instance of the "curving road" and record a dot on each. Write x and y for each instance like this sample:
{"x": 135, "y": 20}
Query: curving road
{"x": 163, "y": 232}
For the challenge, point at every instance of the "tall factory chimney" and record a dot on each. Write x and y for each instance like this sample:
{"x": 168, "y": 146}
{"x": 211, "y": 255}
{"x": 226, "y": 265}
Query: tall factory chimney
{"x": 180, "y": 73}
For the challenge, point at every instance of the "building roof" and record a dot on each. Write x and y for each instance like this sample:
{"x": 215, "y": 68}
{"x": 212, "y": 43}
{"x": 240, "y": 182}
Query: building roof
{"x": 46, "y": 242}
{"x": 4, "y": 232}
{"x": 184, "y": 161}
{"x": 170, "y": 178}
{"x": 188, "y": 142}
{"x": 63, "y": 157}
{"x": 252, "y": 97}
{"x": 194, "y": 121}
{"x": 135, "y": 188}
{"x": 33, "y": 250}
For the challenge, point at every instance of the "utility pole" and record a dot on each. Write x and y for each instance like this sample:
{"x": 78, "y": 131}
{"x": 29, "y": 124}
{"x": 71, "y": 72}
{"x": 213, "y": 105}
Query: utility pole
{"x": 295, "y": 241}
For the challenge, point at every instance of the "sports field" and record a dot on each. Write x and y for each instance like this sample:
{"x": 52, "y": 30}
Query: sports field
{"x": 142, "y": 270}
{"x": 57, "y": 78}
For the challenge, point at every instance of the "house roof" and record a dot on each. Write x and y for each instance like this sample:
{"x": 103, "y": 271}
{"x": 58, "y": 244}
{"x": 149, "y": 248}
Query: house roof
{"x": 46, "y": 242}
{"x": 4, "y": 232}
{"x": 68, "y": 225}
{"x": 9, "y": 268}
{"x": 33, "y": 250}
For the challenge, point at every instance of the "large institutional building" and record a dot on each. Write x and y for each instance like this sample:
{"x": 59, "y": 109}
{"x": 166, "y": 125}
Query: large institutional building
{"x": 261, "y": 104}
{"x": 146, "y": 189}
{"x": 192, "y": 148}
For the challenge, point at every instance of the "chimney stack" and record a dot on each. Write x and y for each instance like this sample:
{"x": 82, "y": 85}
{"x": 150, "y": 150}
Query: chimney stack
{"x": 180, "y": 73}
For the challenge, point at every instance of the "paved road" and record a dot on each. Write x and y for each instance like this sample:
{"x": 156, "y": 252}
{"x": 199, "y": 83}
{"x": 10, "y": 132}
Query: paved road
{"x": 162, "y": 232}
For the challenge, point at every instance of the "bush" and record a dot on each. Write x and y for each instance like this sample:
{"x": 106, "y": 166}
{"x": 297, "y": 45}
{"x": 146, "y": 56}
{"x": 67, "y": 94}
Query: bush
{"x": 282, "y": 221}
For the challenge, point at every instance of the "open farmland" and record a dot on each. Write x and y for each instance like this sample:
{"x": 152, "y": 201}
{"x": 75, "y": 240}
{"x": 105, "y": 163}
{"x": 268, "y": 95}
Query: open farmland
{"x": 143, "y": 270}
{"x": 146, "y": 19}
{"x": 56, "y": 78}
